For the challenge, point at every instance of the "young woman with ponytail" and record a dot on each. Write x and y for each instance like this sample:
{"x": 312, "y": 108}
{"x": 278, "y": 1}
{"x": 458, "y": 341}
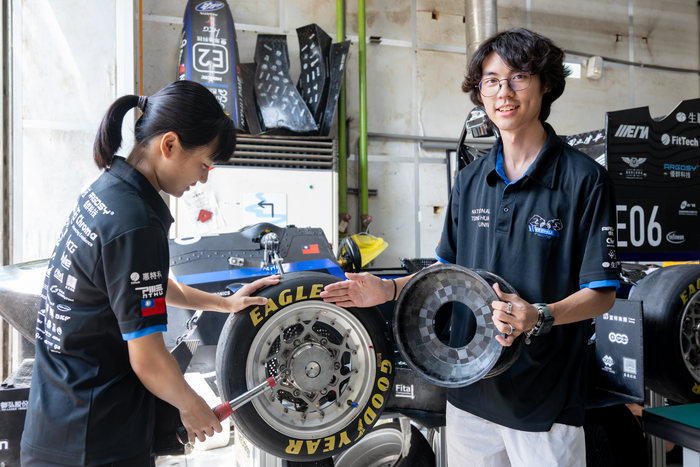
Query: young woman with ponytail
{"x": 100, "y": 354}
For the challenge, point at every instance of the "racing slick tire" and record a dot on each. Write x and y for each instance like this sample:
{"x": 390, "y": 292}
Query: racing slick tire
{"x": 671, "y": 305}
{"x": 338, "y": 365}
{"x": 322, "y": 463}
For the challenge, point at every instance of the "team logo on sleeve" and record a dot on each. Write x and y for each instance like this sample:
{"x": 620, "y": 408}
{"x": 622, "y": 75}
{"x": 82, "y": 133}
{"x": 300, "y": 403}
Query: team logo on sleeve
{"x": 544, "y": 228}
{"x": 153, "y": 306}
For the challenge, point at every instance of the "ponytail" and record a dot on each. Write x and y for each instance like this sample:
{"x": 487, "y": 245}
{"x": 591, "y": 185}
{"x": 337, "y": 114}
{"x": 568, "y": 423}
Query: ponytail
{"x": 109, "y": 134}
{"x": 184, "y": 107}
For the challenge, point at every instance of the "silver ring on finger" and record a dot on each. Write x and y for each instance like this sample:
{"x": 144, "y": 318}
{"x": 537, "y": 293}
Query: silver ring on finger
{"x": 512, "y": 329}
{"x": 510, "y": 308}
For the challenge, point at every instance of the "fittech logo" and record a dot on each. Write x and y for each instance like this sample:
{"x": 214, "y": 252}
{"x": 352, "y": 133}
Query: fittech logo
{"x": 667, "y": 139}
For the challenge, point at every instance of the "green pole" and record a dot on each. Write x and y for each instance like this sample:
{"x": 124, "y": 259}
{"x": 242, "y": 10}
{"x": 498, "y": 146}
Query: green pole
{"x": 342, "y": 144}
{"x": 364, "y": 208}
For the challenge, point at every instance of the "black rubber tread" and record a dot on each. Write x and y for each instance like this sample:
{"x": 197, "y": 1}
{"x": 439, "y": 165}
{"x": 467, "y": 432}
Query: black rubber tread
{"x": 234, "y": 344}
{"x": 320, "y": 463}
{"x": 664, "y": 295}
{"x": 614, "y": 438}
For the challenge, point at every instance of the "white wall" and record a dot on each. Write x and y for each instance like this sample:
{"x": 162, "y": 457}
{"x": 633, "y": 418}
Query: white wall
{"x": 413, "y": 79}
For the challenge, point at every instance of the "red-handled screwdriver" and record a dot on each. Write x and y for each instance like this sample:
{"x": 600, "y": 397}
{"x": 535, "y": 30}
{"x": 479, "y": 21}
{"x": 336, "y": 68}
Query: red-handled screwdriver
{"x": 225, "y": 409}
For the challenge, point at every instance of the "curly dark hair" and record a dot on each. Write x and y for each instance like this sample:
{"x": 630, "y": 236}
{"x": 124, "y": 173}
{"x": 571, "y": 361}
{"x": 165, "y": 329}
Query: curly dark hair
{"x": 522, "y": 50}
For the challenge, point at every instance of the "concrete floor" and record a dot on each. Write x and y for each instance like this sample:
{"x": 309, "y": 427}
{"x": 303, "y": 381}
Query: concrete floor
{"x": 235, "y": 453}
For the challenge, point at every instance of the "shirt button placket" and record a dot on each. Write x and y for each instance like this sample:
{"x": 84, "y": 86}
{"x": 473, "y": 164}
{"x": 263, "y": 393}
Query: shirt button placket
{"x": 504, "y": 219}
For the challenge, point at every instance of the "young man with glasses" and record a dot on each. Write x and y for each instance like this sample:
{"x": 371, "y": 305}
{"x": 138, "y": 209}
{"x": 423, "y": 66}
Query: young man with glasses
{"x": 541, "y": 215}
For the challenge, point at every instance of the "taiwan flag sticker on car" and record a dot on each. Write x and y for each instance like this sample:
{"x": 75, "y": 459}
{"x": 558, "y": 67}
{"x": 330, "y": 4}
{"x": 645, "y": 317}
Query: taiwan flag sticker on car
{"x": 153, "y": 306}
{"x": 310, "y": 249}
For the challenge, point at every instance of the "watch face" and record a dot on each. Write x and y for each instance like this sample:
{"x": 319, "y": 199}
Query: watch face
{"x": 546, "y": 326}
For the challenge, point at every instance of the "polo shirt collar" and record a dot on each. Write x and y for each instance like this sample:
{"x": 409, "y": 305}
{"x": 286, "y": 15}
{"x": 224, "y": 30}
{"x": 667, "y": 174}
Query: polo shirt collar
{"x": 542, "y": 170}
{"x": 125, "y": 171}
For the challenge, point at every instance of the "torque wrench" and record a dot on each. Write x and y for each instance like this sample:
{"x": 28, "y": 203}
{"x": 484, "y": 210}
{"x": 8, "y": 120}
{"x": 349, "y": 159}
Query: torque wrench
{"x": 225, "y": 409}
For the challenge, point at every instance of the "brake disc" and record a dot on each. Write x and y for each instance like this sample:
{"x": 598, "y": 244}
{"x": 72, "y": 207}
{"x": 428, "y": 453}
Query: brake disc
{"x": 414, "y": 325}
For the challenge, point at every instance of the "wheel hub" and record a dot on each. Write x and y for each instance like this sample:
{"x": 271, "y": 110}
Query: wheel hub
{"x": 690, "y": 337}
{"x": 311, "y": 367}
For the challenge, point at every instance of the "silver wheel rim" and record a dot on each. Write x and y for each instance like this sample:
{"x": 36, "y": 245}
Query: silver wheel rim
{"x": 690, "y": 337}
{"x": 329, "y": 357}
{"x": 379, "y": 448}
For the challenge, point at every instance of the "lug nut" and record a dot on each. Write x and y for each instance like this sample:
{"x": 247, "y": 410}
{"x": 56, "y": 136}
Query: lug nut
{"x": 336, "y": 365}
{"x": 324, "y": 341}
{"x": 297, "y": 342}
{"x": 324, "y": 391}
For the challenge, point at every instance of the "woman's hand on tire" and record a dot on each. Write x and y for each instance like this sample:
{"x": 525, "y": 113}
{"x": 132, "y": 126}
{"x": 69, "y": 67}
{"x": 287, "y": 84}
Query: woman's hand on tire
{"x": 241, "y": 299}
{"x": 199, "y": 419}
{"x": 361, "y": 290}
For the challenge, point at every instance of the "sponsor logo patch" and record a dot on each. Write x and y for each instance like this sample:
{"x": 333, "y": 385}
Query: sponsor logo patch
{"x": 545, "y": 228}
{"x": 634, "y": 162}
{"x": 209, "y": 6}
{"x": 632, "y": 131}
{"x": 618, "y": 338}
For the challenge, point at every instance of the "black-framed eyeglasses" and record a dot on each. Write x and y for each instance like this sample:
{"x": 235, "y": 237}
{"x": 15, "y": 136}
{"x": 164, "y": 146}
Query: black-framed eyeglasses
{"x": 489, "y": 87}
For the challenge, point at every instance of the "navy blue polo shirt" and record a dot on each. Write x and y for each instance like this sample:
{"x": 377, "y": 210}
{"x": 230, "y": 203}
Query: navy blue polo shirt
{"x": 105, "y": 284}
{"x": 549, "y": 234}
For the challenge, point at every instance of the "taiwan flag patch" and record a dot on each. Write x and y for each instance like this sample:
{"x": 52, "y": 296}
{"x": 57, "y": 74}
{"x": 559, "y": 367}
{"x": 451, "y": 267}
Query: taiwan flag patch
{"x": 310, "y": 249}
{"x": 153, "y": 306}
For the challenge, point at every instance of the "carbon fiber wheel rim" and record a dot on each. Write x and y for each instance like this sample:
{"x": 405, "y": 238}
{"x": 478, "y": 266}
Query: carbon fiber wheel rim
{"x": 414, "y": 332}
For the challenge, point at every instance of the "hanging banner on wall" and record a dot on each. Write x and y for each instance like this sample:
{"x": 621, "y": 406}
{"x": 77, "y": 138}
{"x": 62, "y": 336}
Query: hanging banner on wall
{"x": 209, "y": 54}
{"x": 655, "y": 165}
